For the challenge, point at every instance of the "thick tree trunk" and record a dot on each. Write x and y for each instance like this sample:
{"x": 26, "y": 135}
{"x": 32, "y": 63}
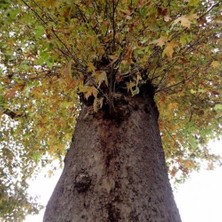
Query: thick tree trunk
{"x": 115, "y": 169}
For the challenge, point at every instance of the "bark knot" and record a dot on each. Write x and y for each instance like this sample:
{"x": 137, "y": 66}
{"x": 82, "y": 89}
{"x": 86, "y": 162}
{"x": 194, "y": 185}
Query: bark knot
{"x": 82, "y": 182}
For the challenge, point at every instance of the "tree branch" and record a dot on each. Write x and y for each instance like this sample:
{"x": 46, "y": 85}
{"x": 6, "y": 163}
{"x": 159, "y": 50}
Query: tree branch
{"x": 174, "y": 85}
{"x": 210, "y": 9}
{"x": 12, "y": 114}
{"x": 73, "y": 55}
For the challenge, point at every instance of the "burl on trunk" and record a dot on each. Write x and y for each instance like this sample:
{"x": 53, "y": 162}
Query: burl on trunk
{"x": 115, "y": 169}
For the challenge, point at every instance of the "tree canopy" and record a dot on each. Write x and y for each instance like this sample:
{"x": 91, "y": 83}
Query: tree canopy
{"x": 53, "y": 53}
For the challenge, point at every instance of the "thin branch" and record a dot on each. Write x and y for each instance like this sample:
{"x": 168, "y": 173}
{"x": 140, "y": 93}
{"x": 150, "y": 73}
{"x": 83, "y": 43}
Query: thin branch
{"x": 195, "y": 43}
{"x": 169, "y": 134}
{"x": 113, "y": 25}
{"x": 35, "y": 13}
{"x": 164, "y": 73}
{"x": 72, "y": 54}
{"x": 174, "y": 85}
{"x": 200, "y": 17}
{"x": 46, "y": 14}
{"x": 210, "y": 9}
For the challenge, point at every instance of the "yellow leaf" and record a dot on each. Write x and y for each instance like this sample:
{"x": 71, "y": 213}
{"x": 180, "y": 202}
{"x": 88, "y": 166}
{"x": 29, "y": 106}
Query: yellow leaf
{"x": 100, "y": 76}
{"x": 132, "y": 87}
{"x": 193, "y": 2}
{"x": 169, "y": 49}
{"x": 67, "y": 69}
{"x": 189, "y": 164}
{"x": 88, "y": 91}
{"x": 10, "y": 93}
{"x": 211, "y": 166}
{"x": 49, "y": 3}
{"x": 125, "y": 12}
{"x": 128, "y": 55}
{"x": 167, "y": 18}
{"x": 161, "y": 41}
{"x": 138, "y": 78}
{"x": 98, "y": 103}
{"x": 91, "y": 67}
{"x": 172, "y": 106}
{"x": 185, "y": 20}
{"x": 50, "y": 173}
{"x": 193, "y": 17}
{"x": 215, "y": 64}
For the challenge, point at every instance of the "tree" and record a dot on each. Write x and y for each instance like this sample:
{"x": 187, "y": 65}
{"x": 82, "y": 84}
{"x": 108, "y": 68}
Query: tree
{"x": 109, "y": 64}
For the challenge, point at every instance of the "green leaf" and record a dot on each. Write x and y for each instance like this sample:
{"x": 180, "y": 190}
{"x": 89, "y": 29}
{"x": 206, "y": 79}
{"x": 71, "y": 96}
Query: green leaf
{"x": 218, "y": 107}
{"x": 39, "y": 31}
{"x": 194, "y": 3}
{"x": 13, "y": 13}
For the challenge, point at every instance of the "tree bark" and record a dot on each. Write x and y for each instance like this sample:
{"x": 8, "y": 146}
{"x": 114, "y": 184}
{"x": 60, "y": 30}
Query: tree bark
{"x": 115, "y": 169}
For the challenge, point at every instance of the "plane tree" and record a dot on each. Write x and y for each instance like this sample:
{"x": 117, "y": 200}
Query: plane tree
{"x": 134, "y": 78}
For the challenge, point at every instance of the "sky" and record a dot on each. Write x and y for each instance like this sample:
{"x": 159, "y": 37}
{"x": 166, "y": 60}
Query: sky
{"x": 199, "y": 199}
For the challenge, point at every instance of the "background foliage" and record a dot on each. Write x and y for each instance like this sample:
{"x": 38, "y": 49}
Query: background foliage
{"x": 50, "y": 51}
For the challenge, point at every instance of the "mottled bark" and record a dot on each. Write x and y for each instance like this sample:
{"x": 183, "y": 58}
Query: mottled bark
{"x": 115, "y": 169}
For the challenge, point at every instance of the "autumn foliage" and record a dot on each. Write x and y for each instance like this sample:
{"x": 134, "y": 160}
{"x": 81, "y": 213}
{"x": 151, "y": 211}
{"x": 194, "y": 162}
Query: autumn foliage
{"x": 56, "y": 54}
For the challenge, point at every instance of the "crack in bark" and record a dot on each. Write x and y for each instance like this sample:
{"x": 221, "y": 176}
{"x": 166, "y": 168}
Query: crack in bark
{"x": 113, "y": 213}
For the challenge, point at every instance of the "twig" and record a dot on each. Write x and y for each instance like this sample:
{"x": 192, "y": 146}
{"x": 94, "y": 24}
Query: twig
{"x": 210, "y": 9}
{"x": 174, "y": 85}
{"x": 73, "y": 55}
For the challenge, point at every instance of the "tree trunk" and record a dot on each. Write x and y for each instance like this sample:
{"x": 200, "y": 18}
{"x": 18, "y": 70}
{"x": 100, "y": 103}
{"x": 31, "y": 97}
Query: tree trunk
{"x": 115, "y": 169}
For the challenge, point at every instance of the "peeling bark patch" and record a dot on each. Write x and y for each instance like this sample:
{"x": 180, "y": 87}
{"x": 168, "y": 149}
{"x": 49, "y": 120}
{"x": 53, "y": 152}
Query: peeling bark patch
{"x": 113, "y": 213}
{"x": 82, "y": 182}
